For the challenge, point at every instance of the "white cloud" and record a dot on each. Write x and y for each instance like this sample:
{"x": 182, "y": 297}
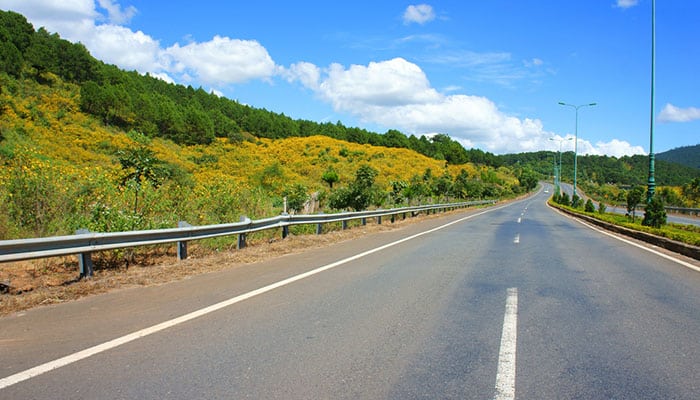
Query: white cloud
{"x": 385, "y": 84}
{"x": 671, "y": 113}
{"x": 306, "y": 73}
{"x": 123, "y": 47}
{"x": 419, "y": 14}
{"x": 615, "y": 148}
{"x": 115, "y": 13}
{"x": 222, "y": 60}
{"x": 397, "y": 94}
{"x": 626, "y": 3}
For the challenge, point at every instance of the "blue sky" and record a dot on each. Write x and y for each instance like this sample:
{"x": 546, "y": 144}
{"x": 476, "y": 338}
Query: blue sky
{"x": 488, "y": 73}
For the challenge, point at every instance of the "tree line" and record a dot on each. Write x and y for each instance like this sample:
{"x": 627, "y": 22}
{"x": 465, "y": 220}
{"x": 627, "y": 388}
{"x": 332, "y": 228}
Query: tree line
{"x": 183, "y": 114}
{"x": 624, "y": 171}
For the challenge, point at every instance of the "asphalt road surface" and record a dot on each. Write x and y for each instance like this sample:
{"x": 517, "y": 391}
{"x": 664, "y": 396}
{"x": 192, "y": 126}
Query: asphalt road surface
{"x": 512, "y": 301}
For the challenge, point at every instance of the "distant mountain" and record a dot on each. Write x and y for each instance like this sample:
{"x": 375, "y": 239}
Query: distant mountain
{"x": 687, "y": 155}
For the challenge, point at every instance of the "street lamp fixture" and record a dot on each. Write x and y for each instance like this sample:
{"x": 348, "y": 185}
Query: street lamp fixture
{"x": 558, "y": 169}
{"x": 576, "y": 136}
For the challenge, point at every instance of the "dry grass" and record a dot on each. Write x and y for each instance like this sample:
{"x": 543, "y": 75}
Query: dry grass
{"x": 56, "y": 280}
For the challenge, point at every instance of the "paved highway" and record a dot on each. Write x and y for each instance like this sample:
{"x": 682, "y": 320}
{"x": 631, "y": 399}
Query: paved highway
{"x": 513, "y": 301}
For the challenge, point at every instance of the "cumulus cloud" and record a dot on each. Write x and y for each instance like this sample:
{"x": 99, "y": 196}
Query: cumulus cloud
{"x": 219, "y": 61}
{"x": 397, "y": 94}
{"x": 419, "y": 14}
{"x": 222, "y": 60}
{"x": 385, "y": 84}
{"x": 626, "y": 3}
{"x": 110, "y": 43}
{"x": 671, "y": 113}
{"x": 306, "y": 73}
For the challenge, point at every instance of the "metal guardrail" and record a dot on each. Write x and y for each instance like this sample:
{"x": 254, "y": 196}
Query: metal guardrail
{"x": 84, "y": 242}
{"x": 683, "y": 210}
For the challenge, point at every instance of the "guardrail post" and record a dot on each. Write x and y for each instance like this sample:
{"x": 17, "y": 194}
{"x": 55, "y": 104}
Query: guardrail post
{"x": 345, "y": 225}
{"x": 85, "y": 259}
{"x": 319, "y": 228}
{"x": 182, "y": 245}
{"x": 285, "y": 229}
{"x": 242, "y": 236}
{"x": 393, "y": 218}
{"x": 364, "y": 221}
{"x": 379, "y": 220}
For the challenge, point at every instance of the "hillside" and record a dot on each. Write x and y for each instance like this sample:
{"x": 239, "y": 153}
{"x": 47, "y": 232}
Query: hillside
{"x": 686, "y": 155}
{"x": 183, "y": 114}
{"x": 64, "y": 169}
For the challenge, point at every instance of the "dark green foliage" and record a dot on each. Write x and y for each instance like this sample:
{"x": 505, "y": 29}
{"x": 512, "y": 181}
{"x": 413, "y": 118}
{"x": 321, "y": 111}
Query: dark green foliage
{"x": 626, "y": 170}
{"x": 601, "y": 208}
{"x": 634, "y": 197}
{"x": 330, "y": 177}
{"x": 564, "y": 199}
{"x": 140, "y": 166}
{"x": 296, "y": 197}
{"x": 361, "y": 193}
{"x": 692, "y": 190}
{"x": 686, "y": 155}
{"x": 589, "y": 207}
{"x": 528, "y": 179}
{"x": 654, "y": 213}
{"x": 575, "y": 201}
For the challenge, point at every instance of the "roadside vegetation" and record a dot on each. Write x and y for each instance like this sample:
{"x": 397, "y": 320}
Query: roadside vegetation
{"x": 653, "y": 220}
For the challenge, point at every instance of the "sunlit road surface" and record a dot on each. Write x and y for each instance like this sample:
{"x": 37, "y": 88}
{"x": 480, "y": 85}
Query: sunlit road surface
{"x": 507, "y": 302}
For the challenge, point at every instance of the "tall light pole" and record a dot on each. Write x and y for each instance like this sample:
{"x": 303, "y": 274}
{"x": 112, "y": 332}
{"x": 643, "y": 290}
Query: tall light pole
{"x": 576, "y": 137}
{"x": 651, "y": 184}
{"x": 558, "y": 182}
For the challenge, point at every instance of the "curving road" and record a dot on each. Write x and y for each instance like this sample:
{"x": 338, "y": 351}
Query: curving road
{"x": 513, "y": 301}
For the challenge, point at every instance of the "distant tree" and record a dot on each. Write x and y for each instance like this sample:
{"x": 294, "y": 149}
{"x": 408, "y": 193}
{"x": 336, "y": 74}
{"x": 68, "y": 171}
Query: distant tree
{"x": 361, "y": 193}
{"x": 330, "y": 177}
{"x": 634, "y": 197}
{"x": 442, "y": 186}
{"x": 140, "y": 166}
{"x": 589, "y": 207}
{"x": 564, "y": 199}
{"x": 601, "y": 208}
{"x": 528, "y": 179}
{"x": 397, "y": 191}
{"x": 575, "y": 201}
{"x": 655, "y": 213}
{"x": 692, "y": 190}
{"x": 296, "y": 197}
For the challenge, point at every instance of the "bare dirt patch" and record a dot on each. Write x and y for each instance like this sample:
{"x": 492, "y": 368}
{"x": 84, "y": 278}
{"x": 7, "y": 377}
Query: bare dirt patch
{"x": 28, "y": 284}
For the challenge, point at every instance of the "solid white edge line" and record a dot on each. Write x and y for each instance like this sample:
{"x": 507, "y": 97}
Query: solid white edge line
{"x": 658, "y": 253}
{"x": 505, "y": 377}
{"x": 69, "y": 359}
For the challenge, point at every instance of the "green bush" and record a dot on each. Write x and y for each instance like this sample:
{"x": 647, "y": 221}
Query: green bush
{"x": 589, "y": 207}
{"x": 654, "y": 213}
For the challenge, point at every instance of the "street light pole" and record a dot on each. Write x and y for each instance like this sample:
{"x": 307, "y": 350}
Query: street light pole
{"x": 558, "y": 182}
{"x": 651, "y": 184}
{"x": 576, "y": 137}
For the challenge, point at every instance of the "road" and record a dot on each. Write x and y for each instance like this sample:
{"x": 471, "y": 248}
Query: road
{"x": 512, "y": 301}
